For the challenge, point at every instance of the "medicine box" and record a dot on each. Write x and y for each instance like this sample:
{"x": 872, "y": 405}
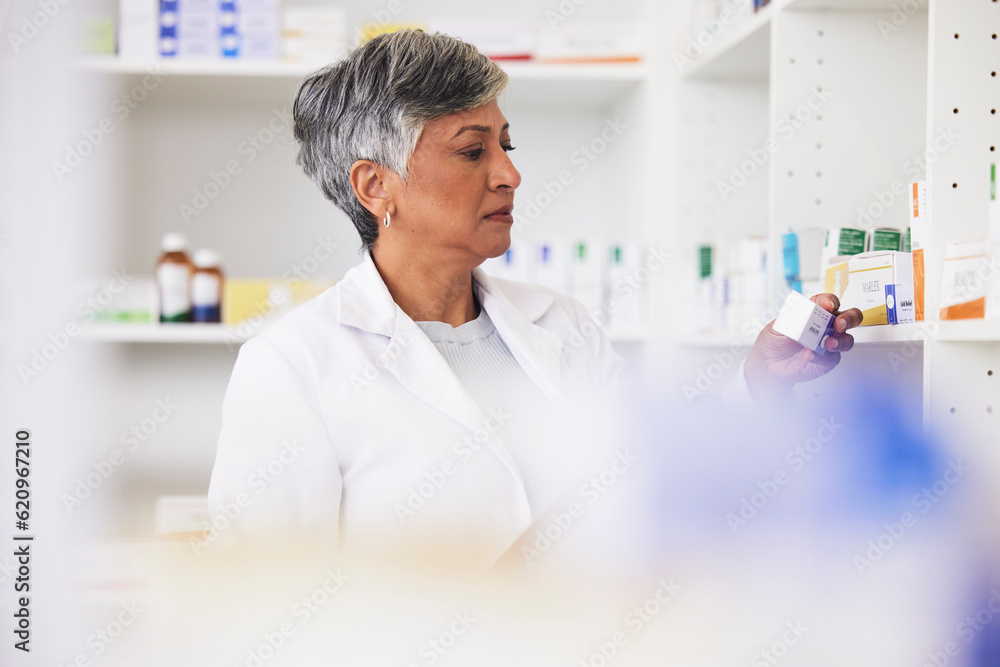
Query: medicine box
{"x": 870, "y": 281}
{"x": 965, "y": 275}
{"x": 804, "y": 321}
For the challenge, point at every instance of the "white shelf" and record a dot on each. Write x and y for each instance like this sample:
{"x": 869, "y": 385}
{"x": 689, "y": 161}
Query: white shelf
{"x": 533, "y": 85}
{"x": 164, "y": 333}
{"x": 743, "y": 53}
{"x": 971, "y": 331}
{"x": 714, "y": 340}
{"x": 851, "y": 5}
{"x": 518, "y": 71}
{"x": 916, "y": 332}
{"x": 214, "y": 334}
{"x": 881, "y": 334}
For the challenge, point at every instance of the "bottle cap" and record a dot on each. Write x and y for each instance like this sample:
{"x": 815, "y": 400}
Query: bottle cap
{"x": 206, "y": 258}
{"x": 174, "y": 242}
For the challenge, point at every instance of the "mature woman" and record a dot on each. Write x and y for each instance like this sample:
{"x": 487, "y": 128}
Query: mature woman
{"x": 420, "y": 403}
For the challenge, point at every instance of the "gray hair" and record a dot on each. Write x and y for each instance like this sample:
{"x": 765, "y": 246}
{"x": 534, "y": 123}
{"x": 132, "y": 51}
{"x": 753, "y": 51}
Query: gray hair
{"x": 373, "y": 105}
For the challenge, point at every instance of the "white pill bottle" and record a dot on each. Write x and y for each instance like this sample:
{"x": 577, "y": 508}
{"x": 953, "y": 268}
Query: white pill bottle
{"x": 173, "y": 279}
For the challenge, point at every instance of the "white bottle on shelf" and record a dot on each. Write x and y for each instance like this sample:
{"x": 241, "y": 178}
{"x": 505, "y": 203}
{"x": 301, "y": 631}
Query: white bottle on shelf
{"x": 173, "y": 278}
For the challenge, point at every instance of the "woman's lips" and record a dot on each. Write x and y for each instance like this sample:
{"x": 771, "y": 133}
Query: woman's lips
{"x": 504, "y": 214}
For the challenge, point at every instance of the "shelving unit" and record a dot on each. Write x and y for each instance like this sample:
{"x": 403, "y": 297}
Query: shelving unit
{"x": 896, "y": 80}
{"x": 213, "y": 334}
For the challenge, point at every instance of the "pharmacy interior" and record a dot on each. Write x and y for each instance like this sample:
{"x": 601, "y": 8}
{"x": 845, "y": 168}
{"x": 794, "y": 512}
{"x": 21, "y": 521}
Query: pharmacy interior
{"x": 686, "y": 166}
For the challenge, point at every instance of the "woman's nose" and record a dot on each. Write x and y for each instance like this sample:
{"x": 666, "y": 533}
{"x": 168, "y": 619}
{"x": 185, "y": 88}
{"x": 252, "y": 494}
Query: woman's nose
{"x": 506, "y": 174}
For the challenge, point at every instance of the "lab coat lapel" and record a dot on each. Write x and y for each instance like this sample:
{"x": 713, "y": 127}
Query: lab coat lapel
{"x": 365, "y": 303}
{"x": 514, "y": 311}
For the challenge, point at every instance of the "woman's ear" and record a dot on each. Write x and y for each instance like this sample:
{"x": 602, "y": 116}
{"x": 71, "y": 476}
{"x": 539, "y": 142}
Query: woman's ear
{"x": 369, "y": 187}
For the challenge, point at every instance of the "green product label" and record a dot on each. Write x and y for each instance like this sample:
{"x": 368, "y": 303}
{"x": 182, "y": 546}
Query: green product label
{"x": 704, "y": 261}
{"x": 906, "y": 241}
{"x": 581, "y": 251}
{"x": 179, "y": 317}
{"x": 851, "y": 242}
{"x": 993, "y": 182}
{"x": 883, "y": 239}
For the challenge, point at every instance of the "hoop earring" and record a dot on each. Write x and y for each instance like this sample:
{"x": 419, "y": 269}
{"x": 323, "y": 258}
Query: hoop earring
{"x": 387, "y": 219}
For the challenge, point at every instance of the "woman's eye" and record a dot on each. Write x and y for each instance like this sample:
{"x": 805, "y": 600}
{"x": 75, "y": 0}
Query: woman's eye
{"x": 508, "y": 148}
{"x": 474, "y": 154}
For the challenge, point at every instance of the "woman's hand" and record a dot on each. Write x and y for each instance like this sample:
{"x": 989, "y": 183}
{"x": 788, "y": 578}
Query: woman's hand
{"x": 776, "y": 363}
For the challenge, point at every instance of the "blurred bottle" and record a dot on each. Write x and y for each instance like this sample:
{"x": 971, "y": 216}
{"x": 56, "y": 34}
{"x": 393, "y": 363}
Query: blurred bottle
{"x": 173, "y": 276}
{"x": 206, "y": 287}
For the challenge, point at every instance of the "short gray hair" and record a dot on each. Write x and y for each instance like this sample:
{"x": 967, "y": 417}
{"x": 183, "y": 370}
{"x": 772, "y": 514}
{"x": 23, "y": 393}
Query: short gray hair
{"x": 373, "y": 105}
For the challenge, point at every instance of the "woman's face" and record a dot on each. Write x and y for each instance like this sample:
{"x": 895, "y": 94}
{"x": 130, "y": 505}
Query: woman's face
{"x": 459, "y": 197}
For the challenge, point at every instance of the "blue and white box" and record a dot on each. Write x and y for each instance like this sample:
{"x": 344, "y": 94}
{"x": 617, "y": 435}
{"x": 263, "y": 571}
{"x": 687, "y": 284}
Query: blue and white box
{"x": 899, "y": 304}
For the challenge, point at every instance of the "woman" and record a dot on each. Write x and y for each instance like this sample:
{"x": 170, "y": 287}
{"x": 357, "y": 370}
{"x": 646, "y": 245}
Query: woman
{"x": 420, "y": 403}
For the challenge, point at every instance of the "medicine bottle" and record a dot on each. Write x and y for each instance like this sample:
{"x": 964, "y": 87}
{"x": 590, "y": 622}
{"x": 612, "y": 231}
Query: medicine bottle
{"x": 206, "y": 287}
{"x": 173, "y": 279}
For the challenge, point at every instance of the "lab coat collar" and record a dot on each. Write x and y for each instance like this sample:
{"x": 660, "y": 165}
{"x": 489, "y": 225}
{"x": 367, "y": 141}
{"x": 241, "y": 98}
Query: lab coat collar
{"x": 365, "y": 303}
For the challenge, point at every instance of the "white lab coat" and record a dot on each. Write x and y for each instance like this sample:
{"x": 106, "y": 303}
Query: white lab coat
{"x": 344, "y": 420}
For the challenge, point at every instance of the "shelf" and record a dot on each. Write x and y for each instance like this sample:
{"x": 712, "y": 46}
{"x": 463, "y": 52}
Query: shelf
{"x": 916, "y": 332}
{"x": 518, "y": 71}
{"x": 972, "y": 331}
{"x": 714, "y": 340}
{"x": 533, "y": 85}
{"x": 164, "y": 333}
{"x": 745, "y": 52}
{"x": 214, "y": 334}
{"x": 886, "y": 334}
{"x": 852, "y": 5}
{"x": 742, "y": 54}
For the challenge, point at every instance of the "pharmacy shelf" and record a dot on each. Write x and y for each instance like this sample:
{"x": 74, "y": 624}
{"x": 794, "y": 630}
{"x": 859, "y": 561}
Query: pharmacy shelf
{"x": 739, "y": 53}
{"x": 970, "y": 331}
{"x": 215, "y": 334}
{"x": 916, "y": 332}
{"x": 885, "y": 334}
{"x": 744, "y": 53}
{"x": 518, "y": 71}
{"x": 919, "y": 6}
{"x": 533, "y": 85}
{"x": 714, "y": 340}
{"x": 164, "y": 333}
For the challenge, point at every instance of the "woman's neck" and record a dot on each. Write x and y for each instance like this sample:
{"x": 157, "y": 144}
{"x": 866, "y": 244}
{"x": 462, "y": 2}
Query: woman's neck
{"x": 428, "y": 290}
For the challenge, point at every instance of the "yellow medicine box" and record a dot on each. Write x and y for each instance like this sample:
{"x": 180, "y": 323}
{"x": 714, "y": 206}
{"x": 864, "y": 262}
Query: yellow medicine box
{"x": 880, "y": 284}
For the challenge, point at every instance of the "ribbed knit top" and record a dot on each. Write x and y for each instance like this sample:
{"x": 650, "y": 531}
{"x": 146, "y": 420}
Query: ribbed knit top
{"x": 535, "y": 434}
